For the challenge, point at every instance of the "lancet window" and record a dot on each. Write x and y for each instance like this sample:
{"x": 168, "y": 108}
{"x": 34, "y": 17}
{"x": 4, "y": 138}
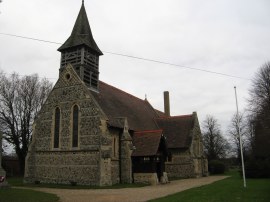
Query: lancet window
{"x": 57, "y": 117}
{"x": 75, "y": 127}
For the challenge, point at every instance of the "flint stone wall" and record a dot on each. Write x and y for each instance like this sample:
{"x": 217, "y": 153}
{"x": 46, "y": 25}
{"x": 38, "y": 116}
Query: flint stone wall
{"x": 115, "y": 171}
{"x": 192, "y": 161}
{"x": 182, "y": 166}
{"x": 65, "y": 164}
{"x": 66, "y": 167}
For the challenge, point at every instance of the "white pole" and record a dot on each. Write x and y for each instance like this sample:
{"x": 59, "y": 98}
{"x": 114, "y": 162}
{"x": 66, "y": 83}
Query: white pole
{"x": 240, "y": 139}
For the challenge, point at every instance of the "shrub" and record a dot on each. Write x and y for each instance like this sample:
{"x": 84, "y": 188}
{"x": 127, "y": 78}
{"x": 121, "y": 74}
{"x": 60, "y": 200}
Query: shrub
{"x": 257, "y": 168}
{"x": 216, "y": 167}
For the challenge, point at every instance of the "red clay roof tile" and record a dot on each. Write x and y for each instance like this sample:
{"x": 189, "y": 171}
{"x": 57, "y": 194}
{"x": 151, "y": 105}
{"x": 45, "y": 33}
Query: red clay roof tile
{"x": 146, "y": 142}
{"x": 177, "y": 130}
{"x": 142, "y": 116}
{"x": 117, "y": 103}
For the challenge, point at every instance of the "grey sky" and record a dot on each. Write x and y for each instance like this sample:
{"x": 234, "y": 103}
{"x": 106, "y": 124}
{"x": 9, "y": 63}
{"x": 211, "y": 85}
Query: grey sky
{"x": 227, "y": 36}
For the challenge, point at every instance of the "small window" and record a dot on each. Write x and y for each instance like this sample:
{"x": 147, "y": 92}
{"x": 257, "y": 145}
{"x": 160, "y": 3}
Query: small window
{"x": 68, "y": 76}
{"x": 75, "y": 126}
{"x": 146, "y": 159}
{"x": 169, "y": 157}
{"x": 56, "y": 127}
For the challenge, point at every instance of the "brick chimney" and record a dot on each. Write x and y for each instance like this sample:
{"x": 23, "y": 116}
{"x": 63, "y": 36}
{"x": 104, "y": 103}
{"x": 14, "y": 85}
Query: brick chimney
{"x": 166, "y": 103}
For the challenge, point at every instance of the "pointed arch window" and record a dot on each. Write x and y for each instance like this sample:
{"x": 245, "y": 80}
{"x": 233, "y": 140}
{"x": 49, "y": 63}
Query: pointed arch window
{"x": 114, "y": 147}
{"x": 75, "y": 127}
{"x": 56, "y": 127}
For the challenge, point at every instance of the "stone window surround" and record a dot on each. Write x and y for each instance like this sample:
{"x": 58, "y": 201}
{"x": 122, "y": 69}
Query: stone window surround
{"x": 60, "y": 129}
{"x": 53, "y": 129}
{"x": 71, "y": 126}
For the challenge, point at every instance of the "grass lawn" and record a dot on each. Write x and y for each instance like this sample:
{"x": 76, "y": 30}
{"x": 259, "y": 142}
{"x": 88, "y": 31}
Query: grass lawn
{"x": 227, "y": 190}
{"x": 25, "y": 195}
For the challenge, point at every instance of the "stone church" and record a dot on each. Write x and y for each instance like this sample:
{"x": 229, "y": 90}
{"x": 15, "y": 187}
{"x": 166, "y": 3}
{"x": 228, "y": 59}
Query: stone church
{"x": 91, "y": 133}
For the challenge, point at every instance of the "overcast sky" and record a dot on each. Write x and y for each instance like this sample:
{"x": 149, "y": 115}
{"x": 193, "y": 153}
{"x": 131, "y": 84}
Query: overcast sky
{"x": 226, "y": 36}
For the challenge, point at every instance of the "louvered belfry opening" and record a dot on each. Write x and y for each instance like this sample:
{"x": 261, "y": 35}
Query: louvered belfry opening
{"x": 85, "y": 62}
{"x": 81, "y": 51}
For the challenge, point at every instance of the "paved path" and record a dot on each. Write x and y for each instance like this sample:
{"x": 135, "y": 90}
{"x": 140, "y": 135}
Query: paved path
{"x": 129, "y": 194}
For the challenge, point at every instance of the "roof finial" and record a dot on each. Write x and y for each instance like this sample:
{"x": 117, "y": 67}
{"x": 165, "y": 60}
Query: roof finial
{"x": 82, "y": 1}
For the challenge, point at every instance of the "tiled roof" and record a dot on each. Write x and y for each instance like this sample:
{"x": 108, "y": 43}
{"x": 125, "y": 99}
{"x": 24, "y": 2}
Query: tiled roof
{"x": 146, "y": 142}
{"x": 177, "y": 130}
{"x": 141, "y": 116}
{"x": 81, "y": 34}
{"x": 160, "y": 113}
{"x": 117, "y": 103}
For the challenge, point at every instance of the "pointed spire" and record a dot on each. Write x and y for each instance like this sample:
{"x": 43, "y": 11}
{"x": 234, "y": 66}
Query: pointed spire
{"x": 81, "y": 34}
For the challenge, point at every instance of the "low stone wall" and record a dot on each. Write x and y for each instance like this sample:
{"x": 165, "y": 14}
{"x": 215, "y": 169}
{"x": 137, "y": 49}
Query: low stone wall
{"x": 148, "y": 178}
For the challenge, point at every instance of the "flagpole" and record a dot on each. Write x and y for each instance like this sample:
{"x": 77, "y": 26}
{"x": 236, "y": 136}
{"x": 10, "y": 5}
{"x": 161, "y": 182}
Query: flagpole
{"x": 240, "y": 139}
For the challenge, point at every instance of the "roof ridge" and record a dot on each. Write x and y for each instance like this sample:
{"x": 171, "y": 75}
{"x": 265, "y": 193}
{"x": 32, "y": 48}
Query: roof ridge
{"x": 154, "y": 110}
{"x": 174, "y": 117}
{"x": 149, "y": 104}
{"x": 157, "y": 110}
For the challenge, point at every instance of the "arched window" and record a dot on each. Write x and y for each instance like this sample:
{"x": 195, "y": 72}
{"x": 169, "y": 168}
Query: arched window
{"x": 75, "y": 126}
{"x": 114, "y": 147}
{"x": 56, "y": 127}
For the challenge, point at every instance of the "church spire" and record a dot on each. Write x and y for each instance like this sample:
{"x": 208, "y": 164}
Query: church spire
{"x": 81, "y": 34}
{"x": 81, "y": 51}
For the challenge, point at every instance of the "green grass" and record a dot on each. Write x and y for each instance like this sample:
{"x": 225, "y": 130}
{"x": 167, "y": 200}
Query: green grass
{"x": 18, "y": 181}
{"x": 15, "y": 181}
{"x": 25, "y": 195}
{"x": 227, "y": 190}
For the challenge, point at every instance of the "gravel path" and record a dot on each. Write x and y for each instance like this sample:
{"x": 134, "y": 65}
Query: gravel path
{"x": 129, "y": 194}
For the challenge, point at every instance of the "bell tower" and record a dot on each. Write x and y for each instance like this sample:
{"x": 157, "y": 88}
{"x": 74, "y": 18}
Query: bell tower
{"x": 81, "y": 51}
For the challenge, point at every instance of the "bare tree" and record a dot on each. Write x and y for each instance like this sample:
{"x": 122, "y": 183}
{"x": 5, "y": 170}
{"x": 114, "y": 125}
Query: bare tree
{"x": 216, "y": 146}
{"x": 20, "y": 101}
{"x": 260, "y": 91}
{"x": 250, "y": 134}
{"x": 234, "y": 136}
{"x": 259, "y": 103}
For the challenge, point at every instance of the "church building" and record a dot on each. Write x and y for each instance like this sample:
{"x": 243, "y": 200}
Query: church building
{"x": 91, "y": 133}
